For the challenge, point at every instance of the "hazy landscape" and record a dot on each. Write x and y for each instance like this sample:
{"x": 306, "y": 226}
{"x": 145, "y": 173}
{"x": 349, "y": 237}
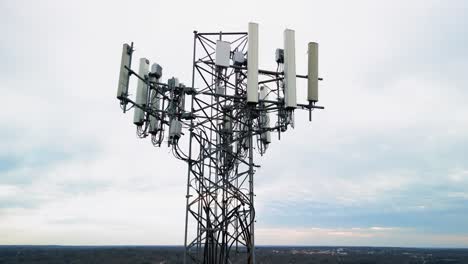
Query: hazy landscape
{"x": 174, "y": 254}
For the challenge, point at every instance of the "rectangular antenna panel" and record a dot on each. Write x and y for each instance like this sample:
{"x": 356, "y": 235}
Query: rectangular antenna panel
{"x": 223, "y": 53}
{"x": 154, "y": 76}
{"x": 155, "y": 105}
{"x": 142, "y": 92}
{"x": 252, "y": 64}
{"x": 312, "y": 74}
{"x": 264, "y": 117}
{"x": 124, "y": 75}
{"x": 290, "y": 99}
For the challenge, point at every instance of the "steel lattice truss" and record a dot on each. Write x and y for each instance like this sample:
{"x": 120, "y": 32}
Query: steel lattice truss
{"x": 220, "y": 195}
{"x": 224, "y": 131}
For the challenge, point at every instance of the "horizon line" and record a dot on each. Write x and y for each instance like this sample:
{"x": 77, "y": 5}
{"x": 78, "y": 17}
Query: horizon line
{"x": 280, "y": 246}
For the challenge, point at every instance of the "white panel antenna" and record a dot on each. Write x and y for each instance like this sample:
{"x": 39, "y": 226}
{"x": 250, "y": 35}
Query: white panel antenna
{"x": 252, "y": 64}
{"x": 142, "y": 92}
{"x": 223, "y": 53}
{"x": 289, "y": 69}
{"x": 124, "y": 75}
{"x": 312, "y": 74}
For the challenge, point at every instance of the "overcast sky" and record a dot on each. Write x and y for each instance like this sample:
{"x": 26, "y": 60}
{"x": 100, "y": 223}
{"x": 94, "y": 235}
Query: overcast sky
{"x": 385, "y": 164}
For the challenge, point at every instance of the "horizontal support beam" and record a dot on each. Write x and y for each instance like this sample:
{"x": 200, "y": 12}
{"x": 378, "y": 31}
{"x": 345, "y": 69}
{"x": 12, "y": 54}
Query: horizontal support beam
{"x": 220, "y": 33}
{"x": 308, "y": 106}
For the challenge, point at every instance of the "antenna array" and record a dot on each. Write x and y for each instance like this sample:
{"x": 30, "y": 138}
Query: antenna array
{"x": 233, "y": 107}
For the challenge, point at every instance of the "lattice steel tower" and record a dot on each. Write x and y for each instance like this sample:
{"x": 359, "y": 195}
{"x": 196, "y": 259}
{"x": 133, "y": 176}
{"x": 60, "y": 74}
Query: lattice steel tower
{"x": 230, "y": 110}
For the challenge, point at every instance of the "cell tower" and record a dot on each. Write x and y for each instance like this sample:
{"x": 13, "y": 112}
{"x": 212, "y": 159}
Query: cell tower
{"x": 230, "y": 110}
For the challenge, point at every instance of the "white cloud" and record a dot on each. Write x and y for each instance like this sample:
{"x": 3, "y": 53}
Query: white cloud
{"x": 383, "y": 79}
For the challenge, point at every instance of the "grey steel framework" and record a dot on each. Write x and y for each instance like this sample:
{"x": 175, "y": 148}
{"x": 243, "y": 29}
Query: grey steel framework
{"x": 224, "y": 131}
